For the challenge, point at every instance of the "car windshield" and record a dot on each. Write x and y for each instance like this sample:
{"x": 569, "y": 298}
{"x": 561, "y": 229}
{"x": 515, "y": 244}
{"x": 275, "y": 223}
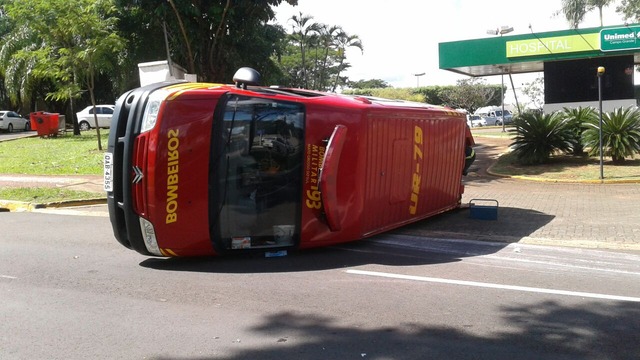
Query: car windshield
{"x": 256, "y": 171}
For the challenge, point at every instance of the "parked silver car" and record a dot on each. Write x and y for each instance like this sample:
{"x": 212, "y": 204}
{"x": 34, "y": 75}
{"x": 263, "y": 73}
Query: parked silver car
{"x": 86, "y": 118}
{"x": 11, "y": 120}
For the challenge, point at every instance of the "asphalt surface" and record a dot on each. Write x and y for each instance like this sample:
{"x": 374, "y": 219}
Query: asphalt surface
{"x": 604, "y": 216}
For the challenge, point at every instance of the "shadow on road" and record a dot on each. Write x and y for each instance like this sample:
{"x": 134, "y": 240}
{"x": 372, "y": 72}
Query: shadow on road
{"x": 545, "y": 330}
{"x": 336, "y": 257}
{"x": 512, "y": 225}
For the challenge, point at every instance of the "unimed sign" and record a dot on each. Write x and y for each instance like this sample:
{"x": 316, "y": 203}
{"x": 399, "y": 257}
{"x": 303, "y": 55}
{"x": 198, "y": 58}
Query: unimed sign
{"x": 622, "y": 38}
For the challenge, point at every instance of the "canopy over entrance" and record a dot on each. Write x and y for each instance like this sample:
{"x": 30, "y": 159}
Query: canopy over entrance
{"x": 528, "y": 52}
{"x": 568, "y": 58}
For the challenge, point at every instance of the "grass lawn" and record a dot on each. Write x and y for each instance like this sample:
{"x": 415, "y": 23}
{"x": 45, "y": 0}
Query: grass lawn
{"x": 492, "y": 131}
{"x": 63, "y": 155}
{"x": 44, "y": 195}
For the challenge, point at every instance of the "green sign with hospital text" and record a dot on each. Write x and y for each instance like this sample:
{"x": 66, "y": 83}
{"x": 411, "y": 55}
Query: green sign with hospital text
{"x": 552, "y": 45}
{"x": 619, "y": 39}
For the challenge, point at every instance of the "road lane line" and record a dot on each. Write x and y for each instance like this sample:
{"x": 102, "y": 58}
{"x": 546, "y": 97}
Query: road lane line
{"x": 8, "y": 277}
{"x": 495, "y": 286}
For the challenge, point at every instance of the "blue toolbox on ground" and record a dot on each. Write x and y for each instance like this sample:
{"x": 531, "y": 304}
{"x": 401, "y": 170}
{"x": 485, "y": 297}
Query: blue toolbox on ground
{"x": 483, "y": 209}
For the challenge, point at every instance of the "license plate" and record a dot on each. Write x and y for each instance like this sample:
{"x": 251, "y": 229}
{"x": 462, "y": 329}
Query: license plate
{"x": 108, "y": 172}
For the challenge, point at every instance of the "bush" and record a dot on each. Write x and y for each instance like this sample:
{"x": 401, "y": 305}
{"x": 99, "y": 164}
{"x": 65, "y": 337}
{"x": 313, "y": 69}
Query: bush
{"x": 407, "y": 94}
{"x": 576, "y": 119}
{"x": 620, "y": 134}
{"x": 540, "y": 135}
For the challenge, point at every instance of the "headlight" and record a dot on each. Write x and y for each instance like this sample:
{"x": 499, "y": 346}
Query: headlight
{"x": 149, "y": 235}
{"x": 152, "y": 109}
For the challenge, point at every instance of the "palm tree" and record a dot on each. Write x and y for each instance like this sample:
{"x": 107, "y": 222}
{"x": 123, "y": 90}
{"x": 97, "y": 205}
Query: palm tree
{"x": 599, "y": 4}
{"x": 328, "y": 40}
{"x": 303, "y": 28}
{"x": 345, "y": 41}
{"x": 620, "y": 134}
{"x": 18, "y": 66}
{"x": 575, "y": 10}
{"x": 540, "y": 135}
{"x": 576, "y": 118}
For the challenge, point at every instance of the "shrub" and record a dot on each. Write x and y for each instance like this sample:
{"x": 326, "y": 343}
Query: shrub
{"x": 620, "y": 134}
{"x": 576, "y": 119}
{"x": 540, "y": 135}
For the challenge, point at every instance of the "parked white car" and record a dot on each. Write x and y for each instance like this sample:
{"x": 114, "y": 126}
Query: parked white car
{"x": 86, "y": 119}
{"x": 11, "y": 120}
{"x": 476, "y": 121}
{"x": 493, "y": 115}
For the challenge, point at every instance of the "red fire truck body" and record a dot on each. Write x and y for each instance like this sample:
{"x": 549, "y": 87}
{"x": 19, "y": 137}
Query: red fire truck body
{"x": 198, "y": 169}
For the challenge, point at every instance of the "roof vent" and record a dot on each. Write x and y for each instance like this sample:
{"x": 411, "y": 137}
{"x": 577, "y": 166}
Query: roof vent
{"x": 246, "y": 76}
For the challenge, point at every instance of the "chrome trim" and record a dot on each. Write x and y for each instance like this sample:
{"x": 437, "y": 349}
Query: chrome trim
{"x": 138, "y": 175}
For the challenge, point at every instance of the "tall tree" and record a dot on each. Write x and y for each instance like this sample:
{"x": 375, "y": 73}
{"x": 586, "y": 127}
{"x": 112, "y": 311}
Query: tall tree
{"x": 216, "y": 36}
{"x": 630, "y": 9}
{"x": 77, "y": 40}
{"x": 303, "y": 29}
{"x": 469, "y": 94}
{"x": 534, "y": 90}
{"x": 345, "y": 41}
{"x": 314, "y": 55}
{"x": 328, "y": 42}
{"x": 600, "y": 4}
{"x": 16, "y": 65}
{"x": 575, "y": 10}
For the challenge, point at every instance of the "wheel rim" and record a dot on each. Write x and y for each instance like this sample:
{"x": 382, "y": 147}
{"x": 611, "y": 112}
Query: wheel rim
{"x": 84, "y": 126}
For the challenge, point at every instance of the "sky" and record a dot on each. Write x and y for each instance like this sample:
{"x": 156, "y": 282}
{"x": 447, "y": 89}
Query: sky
{"x": 400, "y": 37}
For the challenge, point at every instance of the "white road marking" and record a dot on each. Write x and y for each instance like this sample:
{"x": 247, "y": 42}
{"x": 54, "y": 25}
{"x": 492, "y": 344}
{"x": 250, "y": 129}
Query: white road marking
{"x": 8, "y": 277}
{"x": 495, "y": 286}
{"x": 564, "y": 258}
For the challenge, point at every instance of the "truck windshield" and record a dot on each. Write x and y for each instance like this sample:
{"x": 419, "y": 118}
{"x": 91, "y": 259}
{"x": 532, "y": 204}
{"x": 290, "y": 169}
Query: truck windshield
{"x": 256, "y": 173}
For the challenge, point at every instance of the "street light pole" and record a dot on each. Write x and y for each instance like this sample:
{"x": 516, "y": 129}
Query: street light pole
{"x": 501, "y": 31}
{"x": 418, "y": 78}
{"x": 502, "y": 97}
{"x": 600, "y": 73}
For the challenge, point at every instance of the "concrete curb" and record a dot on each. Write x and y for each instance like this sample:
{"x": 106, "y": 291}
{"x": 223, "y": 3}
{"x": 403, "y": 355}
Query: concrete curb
{"x": 16, "y": 206}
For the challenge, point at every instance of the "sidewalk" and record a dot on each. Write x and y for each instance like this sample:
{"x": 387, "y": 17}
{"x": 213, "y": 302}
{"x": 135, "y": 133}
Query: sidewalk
{"x": 88, "y": 183}
{"x": 605, "y": 216}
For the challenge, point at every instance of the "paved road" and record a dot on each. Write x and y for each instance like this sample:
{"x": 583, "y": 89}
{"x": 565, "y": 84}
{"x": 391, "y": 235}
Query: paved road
{"x": 70, "y": 291}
